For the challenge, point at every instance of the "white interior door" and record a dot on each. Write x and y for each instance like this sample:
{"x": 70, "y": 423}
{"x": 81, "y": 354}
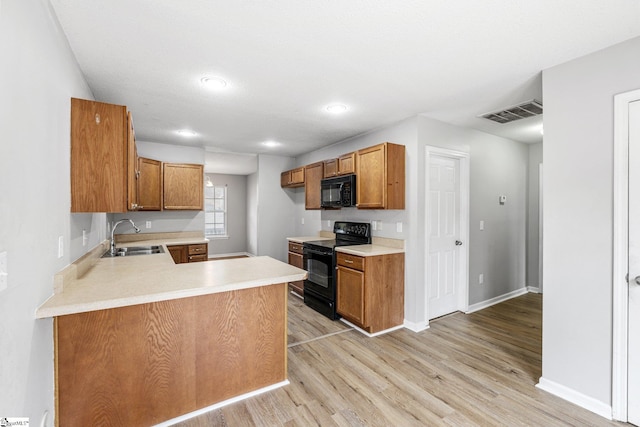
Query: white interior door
{"x": 633, "y": 360}
{"x": 443, "y": 232}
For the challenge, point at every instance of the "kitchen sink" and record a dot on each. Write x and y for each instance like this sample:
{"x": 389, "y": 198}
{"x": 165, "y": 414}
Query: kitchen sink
{"x": 136, "y": 250}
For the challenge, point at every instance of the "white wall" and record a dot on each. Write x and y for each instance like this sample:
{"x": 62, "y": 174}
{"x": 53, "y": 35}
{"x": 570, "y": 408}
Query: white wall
{"x": 498, "y": 166}
{"x": 252, "y": 213}
{"x": 578, "y": 216}
{"x": 38, "y": 76}
{"x": 275, "y": 211}
{"x": 236, "y": 215}
{"x": 170, "y": 220}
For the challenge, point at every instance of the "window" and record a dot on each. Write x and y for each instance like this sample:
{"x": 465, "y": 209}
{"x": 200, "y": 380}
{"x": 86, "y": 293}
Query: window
{"x": 215, "y": 211}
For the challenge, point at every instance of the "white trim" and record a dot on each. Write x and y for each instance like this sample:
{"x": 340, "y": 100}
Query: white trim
{"x": 375, "y": 334}
{"x": 463, "y": 158}
{"x": 577, "y": 398}
{"x": 533, "y": 289}
{"x": 221, "y": 404}
{"x": 540, "y": 225}
{"x": 496, "y": 300}
{"x": 620, "y": 351}
{"x": 416, "y": 326}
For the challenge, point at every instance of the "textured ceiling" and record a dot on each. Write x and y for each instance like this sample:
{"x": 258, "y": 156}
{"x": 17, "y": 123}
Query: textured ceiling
{"x": 285, "y": 60}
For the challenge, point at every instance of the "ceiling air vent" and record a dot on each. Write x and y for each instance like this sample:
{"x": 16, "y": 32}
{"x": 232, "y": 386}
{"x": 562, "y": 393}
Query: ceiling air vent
{"x": 517, "y": 112}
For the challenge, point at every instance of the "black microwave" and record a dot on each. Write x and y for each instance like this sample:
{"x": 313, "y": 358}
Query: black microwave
{"x": 338, "y": 192}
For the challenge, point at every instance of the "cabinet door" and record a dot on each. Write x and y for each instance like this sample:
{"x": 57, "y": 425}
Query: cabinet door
{"x": 183, "y": 186}
{"x": 313, "y": 176}
{"x": 297, "y": 176}
{"x": 99, "y": 168}
{"x": 297, "y": 261}
{"x": 347, "y": 164}
{"x": 178, "y": 253}
{"x": 330, "y": 168}
{"x": 351, "y": 295}
{"x": 285, "y": 179}
{"x": 372, "y": 185}
{"x": 149, "y": 185}
{"x": 132, "y": 166}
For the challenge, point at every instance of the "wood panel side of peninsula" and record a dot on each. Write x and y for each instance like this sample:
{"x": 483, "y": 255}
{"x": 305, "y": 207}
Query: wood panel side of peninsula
{"x": 148, "y": 363}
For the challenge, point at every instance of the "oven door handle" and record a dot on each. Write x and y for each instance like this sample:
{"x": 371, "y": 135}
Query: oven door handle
{"x": 315, "y": 252}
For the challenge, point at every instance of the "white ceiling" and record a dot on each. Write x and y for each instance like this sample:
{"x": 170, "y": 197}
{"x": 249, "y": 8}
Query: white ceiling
{"x": 285, "y": 60}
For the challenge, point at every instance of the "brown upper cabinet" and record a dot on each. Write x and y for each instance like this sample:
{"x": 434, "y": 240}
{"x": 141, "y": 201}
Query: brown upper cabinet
{"x": 149, "y": 184}
{"x": 183, "y": 186}
{"x": 313, "y": 176}
{"x": 347, "y": 164}
{"x": 103, "y": 158}
{"x": 330, "y": 168}
{"x": 292, "y": 178}
{"x": 343, "y": 165}
{"x": 381, "y": 177}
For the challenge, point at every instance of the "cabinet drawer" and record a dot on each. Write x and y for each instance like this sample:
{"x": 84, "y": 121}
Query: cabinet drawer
{"x": 198, "y": 249}
{"x": 295, "y": 247}
{"x": 198, "y": 258}
{"x": 351, "y": 261}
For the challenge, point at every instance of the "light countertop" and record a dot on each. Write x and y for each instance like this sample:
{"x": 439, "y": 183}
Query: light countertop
{"x": 123, "y": 281}
{"x": 308, "y": 239}
{"x": 369, "y": 250}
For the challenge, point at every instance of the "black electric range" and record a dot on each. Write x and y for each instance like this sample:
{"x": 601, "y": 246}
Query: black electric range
{"x": 320, "y": 263}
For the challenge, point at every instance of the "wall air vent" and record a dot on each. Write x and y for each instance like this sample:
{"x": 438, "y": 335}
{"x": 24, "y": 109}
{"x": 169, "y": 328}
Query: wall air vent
{"x": 517, "y": 112}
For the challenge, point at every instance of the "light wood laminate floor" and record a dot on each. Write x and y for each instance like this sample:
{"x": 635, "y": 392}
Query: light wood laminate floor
{"x": 466, "y": 370}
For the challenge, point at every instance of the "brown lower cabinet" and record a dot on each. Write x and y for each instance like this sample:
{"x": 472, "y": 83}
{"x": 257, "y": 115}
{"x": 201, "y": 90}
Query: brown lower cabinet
{"x": 148, "y": 363}
{"x": 189, "y": 253}
{"x": 296, "y": 259}
{"x": 370, "y": 290}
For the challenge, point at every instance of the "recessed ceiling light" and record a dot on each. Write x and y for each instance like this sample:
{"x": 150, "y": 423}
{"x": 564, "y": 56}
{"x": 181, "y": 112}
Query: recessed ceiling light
{"x": 186, "y": 133}
{"x": 336, "y": 108}
{"x": 213, "y": 83}
{"x": 271, "y": 144}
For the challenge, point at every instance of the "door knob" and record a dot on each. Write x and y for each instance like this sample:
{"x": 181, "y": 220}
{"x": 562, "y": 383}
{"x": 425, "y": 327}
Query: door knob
{"x": 459, "y": 243}
{"x": 637, "y": 280}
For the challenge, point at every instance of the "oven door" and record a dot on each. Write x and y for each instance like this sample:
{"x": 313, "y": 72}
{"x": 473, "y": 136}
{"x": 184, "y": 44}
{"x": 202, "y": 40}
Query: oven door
{"x": 319, "y": 266}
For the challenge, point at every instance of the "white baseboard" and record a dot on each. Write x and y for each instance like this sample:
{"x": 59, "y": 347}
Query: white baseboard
{"x": 575, "y": 397}
{"x": 496, "y": 300}
{"x": 416, "y": 326}
{"x": 221, "y": 404}
{"x": 533, "y": 289}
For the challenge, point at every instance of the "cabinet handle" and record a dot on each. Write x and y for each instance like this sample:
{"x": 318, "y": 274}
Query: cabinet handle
{"x": 348, "y": 261}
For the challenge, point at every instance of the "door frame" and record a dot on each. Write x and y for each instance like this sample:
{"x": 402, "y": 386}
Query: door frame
{"x": 463, "y": 225}
{"x": 620, "y": 350}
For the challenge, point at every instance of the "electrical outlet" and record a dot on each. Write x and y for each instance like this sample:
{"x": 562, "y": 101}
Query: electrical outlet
{"x": 480, "y": 279}
{"x": 302, "y": 221}
{"x": 84, "y": 238}
{"x": 481, "y": 225}
{"x": 379, "y": 225}
{"x": 373, "y": 226}
{"x": 329, "y": 223}
{"x": 399, "y": 226}
{"x": 148, "y": 224}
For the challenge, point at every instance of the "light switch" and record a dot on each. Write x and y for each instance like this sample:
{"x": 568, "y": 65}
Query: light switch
{"x": 60, "y": 246}
{"x": 84, "y": 238}
{"x": 4, "y": 274}
{"x": 399, "y": 226}
{"x": 148, "y": 224}
{"x": 480, "y": 278}
{"x": 502, "y": 199}
{"x": 481, "y": 225}
{"x": 302, "y": 221}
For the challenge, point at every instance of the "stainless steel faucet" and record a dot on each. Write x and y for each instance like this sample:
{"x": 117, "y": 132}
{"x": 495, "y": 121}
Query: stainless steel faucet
{"x": 112, "y": 251}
